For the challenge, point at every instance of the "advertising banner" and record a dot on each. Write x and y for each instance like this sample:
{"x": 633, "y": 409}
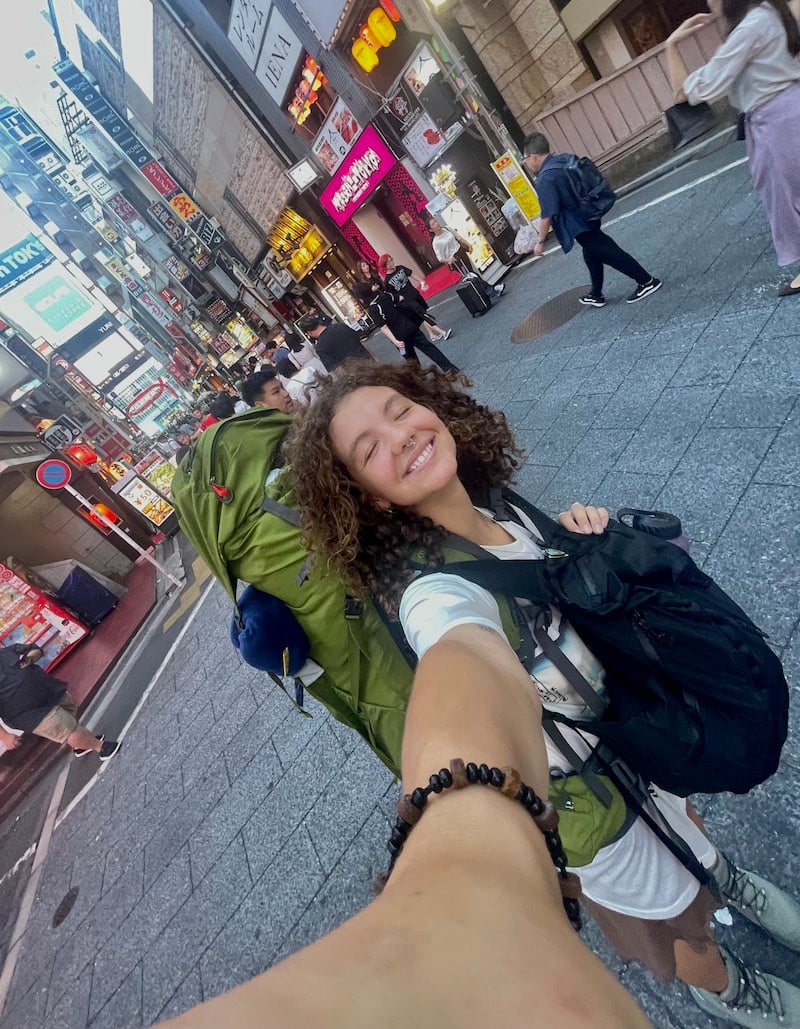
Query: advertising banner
{"x": 21, "y": 261}
{"x": 336, "y": 137}
{"x": 280, "y": 55}
{"x": 158, "y": 176}
{"x": 144, "y": 498}
{"x": 507, "y": 168}
{"x": 369, "y": 162}
{"x": 52, "y": 305}
{"x": 246, "y": 27}
{"x": 116, "y": 268}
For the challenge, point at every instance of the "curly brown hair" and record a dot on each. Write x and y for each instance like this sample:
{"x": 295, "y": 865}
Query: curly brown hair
{"x": 369, "y": 548}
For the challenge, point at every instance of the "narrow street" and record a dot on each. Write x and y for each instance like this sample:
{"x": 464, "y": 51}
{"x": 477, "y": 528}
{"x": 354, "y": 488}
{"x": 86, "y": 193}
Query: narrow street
{"x": 230, "y": 831}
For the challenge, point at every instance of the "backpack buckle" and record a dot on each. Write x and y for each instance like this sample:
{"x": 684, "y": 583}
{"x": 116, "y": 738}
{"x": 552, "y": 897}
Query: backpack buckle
{"x": 353, "y": 609}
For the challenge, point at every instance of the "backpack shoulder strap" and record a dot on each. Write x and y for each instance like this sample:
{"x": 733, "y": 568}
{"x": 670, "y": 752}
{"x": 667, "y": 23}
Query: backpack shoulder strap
{"x": 288, "y": 514}
{"x": 549, "y": 530}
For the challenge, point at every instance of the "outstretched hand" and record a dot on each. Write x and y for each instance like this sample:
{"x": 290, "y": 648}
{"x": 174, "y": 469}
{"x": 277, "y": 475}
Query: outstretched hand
{"x": 584, "y": 519}
{"x": 690, "y": 26}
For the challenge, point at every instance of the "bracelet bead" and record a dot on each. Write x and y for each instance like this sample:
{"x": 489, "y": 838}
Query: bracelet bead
{"x": 508, "y": 782}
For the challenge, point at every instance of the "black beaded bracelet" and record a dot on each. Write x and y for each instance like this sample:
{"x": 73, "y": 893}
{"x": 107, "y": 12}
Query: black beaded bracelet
{"x": 510, "y": 784}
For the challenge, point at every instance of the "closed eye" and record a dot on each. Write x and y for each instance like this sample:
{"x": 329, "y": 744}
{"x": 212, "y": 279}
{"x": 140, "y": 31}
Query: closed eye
{"x": 369, "y": 454}
{"x": 400, "y": 414}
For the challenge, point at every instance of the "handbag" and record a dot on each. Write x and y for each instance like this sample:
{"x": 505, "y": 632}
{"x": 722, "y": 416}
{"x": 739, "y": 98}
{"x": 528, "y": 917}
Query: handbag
{"x": 686, "y": 122}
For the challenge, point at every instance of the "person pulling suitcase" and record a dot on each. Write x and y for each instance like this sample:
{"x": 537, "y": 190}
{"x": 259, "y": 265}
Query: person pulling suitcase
{"x": 475, "y": 292}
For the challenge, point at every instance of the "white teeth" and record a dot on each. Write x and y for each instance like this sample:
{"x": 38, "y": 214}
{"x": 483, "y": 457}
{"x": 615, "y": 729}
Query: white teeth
{"x": 421, "y": 459}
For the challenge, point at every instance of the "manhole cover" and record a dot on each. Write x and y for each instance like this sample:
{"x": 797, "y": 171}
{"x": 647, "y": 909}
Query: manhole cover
{"x": 549, "y": 316}
{"x": 65, "y": 906}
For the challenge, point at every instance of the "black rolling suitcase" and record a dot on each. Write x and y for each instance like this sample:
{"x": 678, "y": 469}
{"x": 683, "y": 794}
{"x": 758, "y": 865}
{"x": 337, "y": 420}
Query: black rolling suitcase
{"x": 472, "y": 296}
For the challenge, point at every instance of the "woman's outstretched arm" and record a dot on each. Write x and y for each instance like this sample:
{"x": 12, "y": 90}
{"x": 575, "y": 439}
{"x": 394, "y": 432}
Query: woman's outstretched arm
{"x": 470, "y": 930}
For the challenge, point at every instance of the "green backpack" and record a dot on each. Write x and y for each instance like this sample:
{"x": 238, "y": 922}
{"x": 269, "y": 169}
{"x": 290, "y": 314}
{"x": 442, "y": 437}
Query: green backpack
{"x": 235, "y": 502}
{"x": 247, "y": 529}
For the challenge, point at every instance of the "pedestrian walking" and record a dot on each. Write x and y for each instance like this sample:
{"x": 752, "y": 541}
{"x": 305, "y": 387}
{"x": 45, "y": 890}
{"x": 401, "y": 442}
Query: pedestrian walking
{"x": 401, "y": 279}
{"x": 34, "y": 701}
{"x": 454, "y": 251}
{"x": 393, "y": 465}
{"x": 758, "y": 69}
{"x": 404, "y": 323}
{"x": 560, "y": 202}
{"x": 335, "y": 343}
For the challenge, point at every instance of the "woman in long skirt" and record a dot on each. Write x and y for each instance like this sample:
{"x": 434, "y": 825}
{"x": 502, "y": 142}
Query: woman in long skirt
{"x": 758, "y": 68}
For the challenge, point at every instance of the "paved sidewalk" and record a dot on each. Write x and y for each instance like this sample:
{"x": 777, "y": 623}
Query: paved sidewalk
{"x": 230, "y": 831}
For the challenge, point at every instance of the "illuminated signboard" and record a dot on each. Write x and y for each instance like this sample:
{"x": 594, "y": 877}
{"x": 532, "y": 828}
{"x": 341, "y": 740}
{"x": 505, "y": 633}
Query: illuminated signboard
{"x": 369, "y": 162}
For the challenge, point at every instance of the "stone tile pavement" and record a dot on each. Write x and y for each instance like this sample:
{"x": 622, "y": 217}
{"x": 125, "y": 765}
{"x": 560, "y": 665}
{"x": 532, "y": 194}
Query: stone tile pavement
{"x": 230, "y": 830}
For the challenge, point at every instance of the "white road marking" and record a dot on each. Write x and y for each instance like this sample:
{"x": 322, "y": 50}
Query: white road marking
{"x": 26, "y": 904}
{"x": 677, "y": 192}
{"x": 53, "y": 819}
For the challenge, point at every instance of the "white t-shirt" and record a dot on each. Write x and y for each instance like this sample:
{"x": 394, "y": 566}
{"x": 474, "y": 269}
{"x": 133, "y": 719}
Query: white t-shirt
{"x": 303, "y": 384}
{"x": 636, "y": 875}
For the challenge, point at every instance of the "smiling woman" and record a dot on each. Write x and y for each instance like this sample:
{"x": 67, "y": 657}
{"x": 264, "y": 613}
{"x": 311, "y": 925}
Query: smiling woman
{"x": 362, "y": 502}
{"x": 397, "y": 470}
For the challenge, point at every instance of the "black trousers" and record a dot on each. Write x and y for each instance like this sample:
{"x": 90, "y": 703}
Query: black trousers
{"x": 600, "y": 250}
{"x": 417, "y": 341}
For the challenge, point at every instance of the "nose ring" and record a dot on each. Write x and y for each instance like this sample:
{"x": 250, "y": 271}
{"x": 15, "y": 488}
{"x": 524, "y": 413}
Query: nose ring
{"x": 410, "y": 442}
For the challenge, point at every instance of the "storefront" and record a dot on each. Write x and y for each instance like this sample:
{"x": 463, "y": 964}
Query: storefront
{"x": 424, "y": 115}
{"x": 379, "y": 205}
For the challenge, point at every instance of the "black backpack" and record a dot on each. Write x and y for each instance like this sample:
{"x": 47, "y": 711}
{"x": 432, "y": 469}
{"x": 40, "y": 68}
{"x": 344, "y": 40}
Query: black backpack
{"x": 698, "y": 702}
{"x": 593, "y": 192}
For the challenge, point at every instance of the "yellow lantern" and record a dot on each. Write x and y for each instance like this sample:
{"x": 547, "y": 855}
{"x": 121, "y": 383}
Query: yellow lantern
{"x": 364, "y": 55}
{"x": 369, "y": 37}
{"x": 381, "y": 26}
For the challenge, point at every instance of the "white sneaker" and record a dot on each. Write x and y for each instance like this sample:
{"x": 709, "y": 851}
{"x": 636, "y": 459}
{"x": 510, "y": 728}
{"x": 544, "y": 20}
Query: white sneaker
{"x": 752, "y": 999}
{"x": 763, "y": 903}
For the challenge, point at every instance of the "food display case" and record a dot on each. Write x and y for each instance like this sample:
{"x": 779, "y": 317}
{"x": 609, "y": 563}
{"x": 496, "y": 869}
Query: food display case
{"x": 140, "y": 495}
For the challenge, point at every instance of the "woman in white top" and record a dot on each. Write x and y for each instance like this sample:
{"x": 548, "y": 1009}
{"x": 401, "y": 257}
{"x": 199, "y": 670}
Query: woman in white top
{"x": 758, "y": 68}
{"x": 390, "y": 460}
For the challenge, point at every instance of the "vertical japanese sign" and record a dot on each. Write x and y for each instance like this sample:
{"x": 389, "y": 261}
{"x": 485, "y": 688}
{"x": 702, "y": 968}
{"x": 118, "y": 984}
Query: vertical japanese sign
{"x": 507, "y": 168}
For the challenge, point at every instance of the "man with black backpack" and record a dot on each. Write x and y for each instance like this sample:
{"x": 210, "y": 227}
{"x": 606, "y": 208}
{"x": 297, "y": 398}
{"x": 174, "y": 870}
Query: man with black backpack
{"x": 574, "y": 196}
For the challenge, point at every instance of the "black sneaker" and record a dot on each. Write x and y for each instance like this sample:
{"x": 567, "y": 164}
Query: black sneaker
{"x": 109, "y": 749}
{"x": 83, "y": 752}
{"x": 644, "y": 290}
{"x": 590, "y": 300}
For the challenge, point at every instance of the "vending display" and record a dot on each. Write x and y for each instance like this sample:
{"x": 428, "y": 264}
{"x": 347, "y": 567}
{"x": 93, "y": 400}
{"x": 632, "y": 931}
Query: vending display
{"x": 28, "y": 616}
{"x": 158, "y": 471}
{"x": 144, "y": 498}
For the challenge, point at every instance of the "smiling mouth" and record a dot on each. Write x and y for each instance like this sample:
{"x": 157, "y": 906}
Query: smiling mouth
{"x": 421, "y": 459}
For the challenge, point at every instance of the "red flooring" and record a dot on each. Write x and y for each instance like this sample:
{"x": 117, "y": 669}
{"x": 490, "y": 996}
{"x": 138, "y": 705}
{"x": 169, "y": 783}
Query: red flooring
{"x": 85, "y": 669}
{"x": 439, "y": 280}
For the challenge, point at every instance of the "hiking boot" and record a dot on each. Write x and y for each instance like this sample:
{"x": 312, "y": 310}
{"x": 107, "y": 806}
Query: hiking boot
{"x": 590, "y": 300}
{"x": 763, "y": 903}
{"x": 109, "y": 749}
{"x": 752, "y": 997}
{"x": 87, "y": 750}
{"x": 643, "y": 290}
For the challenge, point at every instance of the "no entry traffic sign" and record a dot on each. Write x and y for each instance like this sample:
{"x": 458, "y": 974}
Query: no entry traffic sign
{"x": 53, "y": 474}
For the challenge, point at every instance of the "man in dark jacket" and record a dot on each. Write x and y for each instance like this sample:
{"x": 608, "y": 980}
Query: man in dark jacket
{"x": 558, "y": 197}
{"x": 35, "y": 702}
{"x": 335, "y": 343}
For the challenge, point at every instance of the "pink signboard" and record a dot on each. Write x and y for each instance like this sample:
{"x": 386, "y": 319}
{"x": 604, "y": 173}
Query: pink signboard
{"x": 363, "y": 168}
